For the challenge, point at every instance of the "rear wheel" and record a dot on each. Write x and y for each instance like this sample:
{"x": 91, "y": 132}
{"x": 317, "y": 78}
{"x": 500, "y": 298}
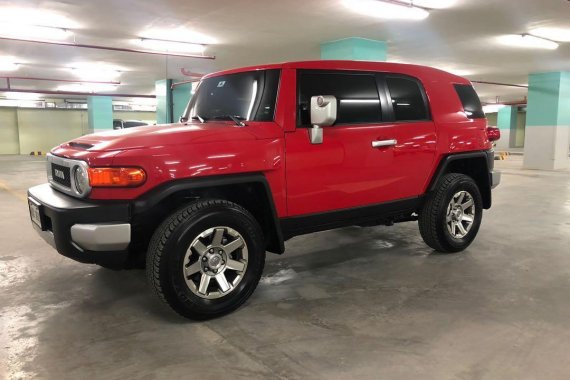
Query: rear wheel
{"x": 206, "y": 259}
{"x": 451, "y": 216}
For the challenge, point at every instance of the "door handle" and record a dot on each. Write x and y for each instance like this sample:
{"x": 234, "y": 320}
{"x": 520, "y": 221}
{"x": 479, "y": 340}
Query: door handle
{"x": 381, "y": 143}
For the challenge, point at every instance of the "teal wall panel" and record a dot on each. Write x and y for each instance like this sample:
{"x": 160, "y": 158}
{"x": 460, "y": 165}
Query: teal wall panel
{"x": 548, "y": 99}
{"x": 100, "y": 113}
{"x": 180, "y": 97}
{"x": 163, "y": 101}
{"x": 507, "y": 118}
{"x": 355, "y": 48}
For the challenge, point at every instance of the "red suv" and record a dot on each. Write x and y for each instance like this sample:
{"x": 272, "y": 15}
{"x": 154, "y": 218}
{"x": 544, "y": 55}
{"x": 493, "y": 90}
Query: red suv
{"x": 264, "y": 154}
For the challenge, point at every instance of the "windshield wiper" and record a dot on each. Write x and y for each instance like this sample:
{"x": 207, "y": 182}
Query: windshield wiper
{"x": 200, "y": 119}
{"x": 235, "y": 118}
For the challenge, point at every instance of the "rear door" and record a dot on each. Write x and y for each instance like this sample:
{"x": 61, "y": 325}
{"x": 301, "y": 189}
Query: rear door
{"x": 415, "y": 131}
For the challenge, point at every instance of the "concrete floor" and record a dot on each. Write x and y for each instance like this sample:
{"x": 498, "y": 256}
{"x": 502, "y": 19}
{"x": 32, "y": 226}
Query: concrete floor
{"x": 353, "y": 303}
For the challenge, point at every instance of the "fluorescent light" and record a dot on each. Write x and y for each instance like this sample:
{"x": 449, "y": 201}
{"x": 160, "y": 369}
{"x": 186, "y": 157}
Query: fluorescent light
{"x": 387, "y": 10}
{"x": 172, "y": 46}
{"x": 177, "y": 34}
{"x": 18, "y": 30}
{"x": 8, "y": 66}
{"x": 22, "y": 95}
{"x": 458, "y": 72}
{"x": 18, "y": 103}
{"x": 492, "y": 108}
{"x": 36, "y": 16}
{"x": 554, "y": 34}
{"x": 87, "y": 88}
{"x": 434, "y": 4}
{"x": 95, "y": 72}
{"x": 527, "y": 41}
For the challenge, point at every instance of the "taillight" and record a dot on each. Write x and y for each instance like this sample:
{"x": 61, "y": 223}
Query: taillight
{"x": 493, "y": 134}
{"x": 116, "y": 177}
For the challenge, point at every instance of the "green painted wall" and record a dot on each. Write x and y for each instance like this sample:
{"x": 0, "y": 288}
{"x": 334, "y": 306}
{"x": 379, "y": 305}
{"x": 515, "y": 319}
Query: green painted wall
{"x": 355, "y": 48}
{"x": 9, "y": 140}
{"x": 100, "y": 111}
{"x": 23, "y": 130}
{"x": 520, "y": 130}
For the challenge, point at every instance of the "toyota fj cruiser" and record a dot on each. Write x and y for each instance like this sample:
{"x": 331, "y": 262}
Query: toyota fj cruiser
{"x": 264, "y": 154}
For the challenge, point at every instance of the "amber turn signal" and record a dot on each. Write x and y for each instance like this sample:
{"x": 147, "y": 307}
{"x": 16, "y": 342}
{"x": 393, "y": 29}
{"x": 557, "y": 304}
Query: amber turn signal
{"x": 116, "y": 177}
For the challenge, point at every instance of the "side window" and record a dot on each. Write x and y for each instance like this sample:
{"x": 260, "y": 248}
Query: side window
{"x": 470, "y": 100}
{"x": 407, "y": 99}
{"x": 357, "y": 96}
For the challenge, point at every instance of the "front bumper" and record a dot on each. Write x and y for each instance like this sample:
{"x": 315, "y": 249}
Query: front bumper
{"x": 97, "y": 233}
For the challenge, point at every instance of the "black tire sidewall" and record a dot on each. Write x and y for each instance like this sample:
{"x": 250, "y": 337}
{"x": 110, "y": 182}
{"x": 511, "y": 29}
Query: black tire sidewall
{"x": 175, "y": 289}
{"x": 464, "y": 183}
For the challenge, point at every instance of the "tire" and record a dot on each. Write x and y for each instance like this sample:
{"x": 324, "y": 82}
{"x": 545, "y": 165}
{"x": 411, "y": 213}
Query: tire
{"x": 442, "y": 224}
{"x": 188, "y": 251}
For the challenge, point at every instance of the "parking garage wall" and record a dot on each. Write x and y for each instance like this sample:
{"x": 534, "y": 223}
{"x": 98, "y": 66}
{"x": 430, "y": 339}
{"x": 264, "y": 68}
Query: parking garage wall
{"x": 25, "y": 130}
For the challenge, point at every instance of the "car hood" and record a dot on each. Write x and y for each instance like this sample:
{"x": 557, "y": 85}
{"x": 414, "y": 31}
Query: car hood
{"x": 163, "y": 135}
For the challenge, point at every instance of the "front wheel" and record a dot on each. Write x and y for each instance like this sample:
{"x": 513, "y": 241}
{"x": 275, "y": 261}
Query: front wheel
{"x": 451, "y": 216}
{"x": 206, "y": 259}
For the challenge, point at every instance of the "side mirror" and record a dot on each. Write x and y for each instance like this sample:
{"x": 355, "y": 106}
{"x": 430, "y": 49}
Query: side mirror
{"x": 323, "y": 114}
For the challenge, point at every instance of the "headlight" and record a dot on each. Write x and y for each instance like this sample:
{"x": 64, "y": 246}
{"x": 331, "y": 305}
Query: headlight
{"x": 81, "y": 180}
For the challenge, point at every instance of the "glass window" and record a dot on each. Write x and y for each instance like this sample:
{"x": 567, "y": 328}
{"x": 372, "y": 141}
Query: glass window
{"x": 407, "y": 99}
{"x": 249, "y": 95}
{"x": 357, "y": 96}
{"x": 470, "y": 100}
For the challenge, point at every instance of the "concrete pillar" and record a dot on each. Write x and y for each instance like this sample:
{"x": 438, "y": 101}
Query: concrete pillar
{"x": 355, "y": 48}
{"x": 507, "y": 123}
{"x": 180, "y": 97}
{"x": 547, "y": 121}
{"x": 164, "y": 110}
{"x": 100, "y": 113}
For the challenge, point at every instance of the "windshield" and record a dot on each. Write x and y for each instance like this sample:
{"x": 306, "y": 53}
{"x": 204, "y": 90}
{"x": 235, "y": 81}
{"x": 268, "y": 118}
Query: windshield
{"x": 249, "y": 95}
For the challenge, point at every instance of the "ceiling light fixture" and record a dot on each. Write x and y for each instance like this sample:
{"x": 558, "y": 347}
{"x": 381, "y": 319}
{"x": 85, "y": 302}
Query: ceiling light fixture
{"x": 388, "y": 9}
{"x": 527, "y": 41}
{"x": 172, "y": 46}
{"x": 94, "y": 72}
{"x": 22, "y": 95}
{"x": 492, "y": 108}
{"x": 23, "y": 31}
{"x": 8, "y": 66}
{"x": 87, "y": 88}
{"x": 554, "y": 34}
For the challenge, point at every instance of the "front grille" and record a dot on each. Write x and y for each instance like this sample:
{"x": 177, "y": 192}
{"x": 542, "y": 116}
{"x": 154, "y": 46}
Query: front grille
{"x": 61, "y": 174}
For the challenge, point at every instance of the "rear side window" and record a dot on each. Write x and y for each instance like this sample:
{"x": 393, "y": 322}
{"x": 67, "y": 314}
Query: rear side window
{"x": 470, "y": 100}
{"x": 356, "y": 93}
{"x": 408, "y": 100}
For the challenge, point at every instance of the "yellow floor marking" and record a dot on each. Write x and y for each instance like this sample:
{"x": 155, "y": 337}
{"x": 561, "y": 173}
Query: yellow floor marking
{"x": 20, "y": 196}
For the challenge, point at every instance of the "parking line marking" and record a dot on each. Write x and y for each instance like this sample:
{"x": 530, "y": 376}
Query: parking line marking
{"x": 5, "y": 187}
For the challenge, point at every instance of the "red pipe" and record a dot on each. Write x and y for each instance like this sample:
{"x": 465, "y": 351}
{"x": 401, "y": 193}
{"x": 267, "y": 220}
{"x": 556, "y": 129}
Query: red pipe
{"x": 48, "y": 92}
{"x": 8, "y": 78}
{"x": 500, "y": 84}
{"x": 187, "y": 73}
{"x": 100, "y": 47}
{"x": 174, "y": 85}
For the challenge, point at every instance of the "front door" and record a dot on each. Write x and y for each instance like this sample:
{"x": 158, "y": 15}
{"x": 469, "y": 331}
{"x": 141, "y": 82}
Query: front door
{"x": 368, "y": 157}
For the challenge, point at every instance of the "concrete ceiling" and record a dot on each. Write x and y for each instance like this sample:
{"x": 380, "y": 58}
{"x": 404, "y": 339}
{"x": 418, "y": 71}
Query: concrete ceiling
{"x": 246, "y": 32}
